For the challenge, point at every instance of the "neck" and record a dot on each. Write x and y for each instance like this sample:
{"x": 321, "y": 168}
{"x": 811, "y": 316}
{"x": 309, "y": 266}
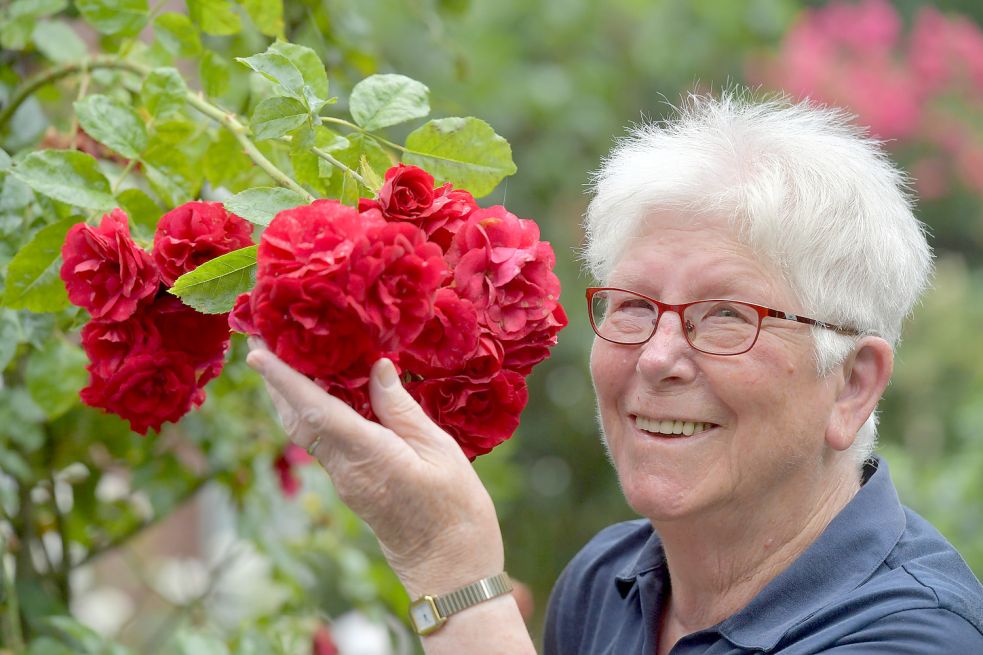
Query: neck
{"x": 719, "y": 562}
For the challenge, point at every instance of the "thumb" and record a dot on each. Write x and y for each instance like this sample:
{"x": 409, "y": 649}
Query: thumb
{"x": 399, "y": 412}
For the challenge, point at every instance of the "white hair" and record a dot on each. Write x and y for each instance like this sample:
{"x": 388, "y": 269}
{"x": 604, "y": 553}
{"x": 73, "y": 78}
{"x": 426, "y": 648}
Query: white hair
{"x": 805, "y": 188}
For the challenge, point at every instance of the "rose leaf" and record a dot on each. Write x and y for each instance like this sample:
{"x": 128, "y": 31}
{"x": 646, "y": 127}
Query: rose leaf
{"x": 66, "y": 175}
{"x": 112, "y": 123}
{"x": 261, "y": 204}
{"x": 32, "y": 276}
{"x": 213, "y": 287}
{"x": 382, "y": 100}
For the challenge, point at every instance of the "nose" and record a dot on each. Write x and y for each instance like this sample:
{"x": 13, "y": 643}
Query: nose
{"x": 667, "y": 356}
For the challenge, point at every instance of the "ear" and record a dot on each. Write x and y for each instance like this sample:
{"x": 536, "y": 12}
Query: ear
{"x": 866, "y": 373}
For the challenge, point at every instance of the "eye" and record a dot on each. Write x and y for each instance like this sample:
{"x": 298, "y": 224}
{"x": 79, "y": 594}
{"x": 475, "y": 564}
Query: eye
{"x": 634, "y": 306}
{"x": 729, "y": 312}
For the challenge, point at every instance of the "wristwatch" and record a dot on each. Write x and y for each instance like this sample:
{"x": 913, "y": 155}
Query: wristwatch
{"x": 429, "y": 613}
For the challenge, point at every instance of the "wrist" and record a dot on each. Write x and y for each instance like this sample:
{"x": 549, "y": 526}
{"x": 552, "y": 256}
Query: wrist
{"x": 430, "y": 612}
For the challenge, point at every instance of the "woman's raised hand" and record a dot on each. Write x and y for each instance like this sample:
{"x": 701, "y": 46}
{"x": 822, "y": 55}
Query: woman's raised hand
{"x": 406, "y": 477}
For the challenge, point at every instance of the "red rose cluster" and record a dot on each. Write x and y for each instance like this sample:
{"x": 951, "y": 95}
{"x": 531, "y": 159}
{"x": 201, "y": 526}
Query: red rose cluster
{"x": 150, "y": 355}
{"x": 462, "y": 299}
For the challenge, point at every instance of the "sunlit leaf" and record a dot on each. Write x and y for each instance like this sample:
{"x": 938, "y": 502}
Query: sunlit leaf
{"x": 274, "y": 117}
{"x": 177, "y": 34}
{"x": 463, "y": 151}
{"x": 214, "y": 71}
{"x": 359, "y": 147}
{"x": 213, "y": 287}
{"x": 32, "y": 275}
{"x": 126, "y": 17}
{"x": 20, "y": 17}
{"x": 382, "y": 100}
{"x": 267, "y": 15}
{"x": 261, "y": 204}
{"x": 163, "y": 92}
{"x": 112, "y": 123}
{"x": 142, "y": 211}
{"x": 216, "y": 17}
{"x": 66, "y": 175}
{"x": 57, "y": 41}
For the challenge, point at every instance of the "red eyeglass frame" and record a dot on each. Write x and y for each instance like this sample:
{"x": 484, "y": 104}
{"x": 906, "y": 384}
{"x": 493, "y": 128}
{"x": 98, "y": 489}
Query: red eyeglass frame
{"x": 762, "y": 311}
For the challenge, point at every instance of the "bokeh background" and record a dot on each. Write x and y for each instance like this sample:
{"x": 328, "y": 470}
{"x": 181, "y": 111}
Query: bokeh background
{"x": 560, "y": 80}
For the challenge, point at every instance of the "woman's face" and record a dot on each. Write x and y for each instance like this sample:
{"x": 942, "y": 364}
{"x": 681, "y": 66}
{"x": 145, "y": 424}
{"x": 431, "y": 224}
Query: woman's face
{"x": 767, "y": 409}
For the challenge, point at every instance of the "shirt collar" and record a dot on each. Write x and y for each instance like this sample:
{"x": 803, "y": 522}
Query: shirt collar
{"x": 854, "y": 544}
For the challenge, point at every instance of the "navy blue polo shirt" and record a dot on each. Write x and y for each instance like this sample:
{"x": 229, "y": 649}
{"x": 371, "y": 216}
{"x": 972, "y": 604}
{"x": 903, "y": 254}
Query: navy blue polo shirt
{"x": 879, "y": 579}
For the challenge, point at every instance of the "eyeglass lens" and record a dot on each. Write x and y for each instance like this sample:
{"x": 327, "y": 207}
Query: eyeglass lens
{"x": 715, "y": 326}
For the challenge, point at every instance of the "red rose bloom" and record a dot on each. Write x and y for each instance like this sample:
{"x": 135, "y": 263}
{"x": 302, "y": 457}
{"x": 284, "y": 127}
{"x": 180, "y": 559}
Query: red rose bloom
{"x": 109, "y": 343}
{"x": 406, "y": 194}
{"x": 311, "y": 324}
{"x": 336, "y": 288}
{"x": 523, "y": 354}
{"x": 147, "y": 390}
{"x": 194, "y": 233}
{"x": 393, "y": 277}
{"x": 447, "y": 341}
{"x": 241, "y": 316}
{"x": 479, "y": 415}
{"x": 312, "y": 239}
{"x": 104, "y": 270}
{"x": 285, "y": 465}
{"x": 204, "y": 338}
{"x": 502, "y": 267}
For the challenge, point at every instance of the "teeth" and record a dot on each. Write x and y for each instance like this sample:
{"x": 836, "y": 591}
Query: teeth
{"x": 674, "y": 426}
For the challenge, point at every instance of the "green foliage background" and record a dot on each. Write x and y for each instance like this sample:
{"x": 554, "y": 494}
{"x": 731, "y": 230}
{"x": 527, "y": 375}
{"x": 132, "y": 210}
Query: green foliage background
{"x": 559, "y": 79}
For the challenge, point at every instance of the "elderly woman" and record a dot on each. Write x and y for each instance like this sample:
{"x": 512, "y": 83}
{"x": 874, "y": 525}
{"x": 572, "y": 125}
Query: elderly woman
{"x": 757, "y": 261}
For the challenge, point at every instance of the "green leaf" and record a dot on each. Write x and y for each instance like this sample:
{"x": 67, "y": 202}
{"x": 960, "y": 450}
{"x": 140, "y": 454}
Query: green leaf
{"x": 112, "y": 123}
{"x": 172, "y": 176}
{"x": 274, "y": 117}
{"x": 297, "y": 69}
{"x": 163, "y": 92}
{"x": 57, "y": 41}
{"x": 214, "y": 71}
{"x": 261, "y": 204}
{"x": 225, "y": 162}
{"x": 124, "y": 17}
{"x": 463, "y": 151}
{"x": 4, "y": 160}
{"x": 32, "y": 275}
{"x": 10, "y": 336}
{"x": 177, "y": 34}
{"x": 311, "y": 69}
{"x": 66, "y": 175}
{"x": 55, "y": 375}
{"x": 213, "y": 287}
{"x": 382, "y": 100}
{"x": 278, "y": 69}
{"x": 216, "y": 17}
{"x": 267, "y": 14}
{"x": 17, "y": 22}
{"x": 142, "y": 211}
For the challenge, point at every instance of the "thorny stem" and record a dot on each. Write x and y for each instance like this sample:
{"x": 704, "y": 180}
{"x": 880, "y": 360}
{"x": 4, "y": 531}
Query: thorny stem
{"x": 224, "y": 118}
{"x": 373, "y": 135}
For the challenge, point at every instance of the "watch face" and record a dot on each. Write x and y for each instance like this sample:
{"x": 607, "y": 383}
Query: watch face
{"x": 424, "y": 615}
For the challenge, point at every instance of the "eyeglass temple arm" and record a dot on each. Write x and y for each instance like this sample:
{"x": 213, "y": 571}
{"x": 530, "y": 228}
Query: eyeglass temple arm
{"x": 774, "y": 313}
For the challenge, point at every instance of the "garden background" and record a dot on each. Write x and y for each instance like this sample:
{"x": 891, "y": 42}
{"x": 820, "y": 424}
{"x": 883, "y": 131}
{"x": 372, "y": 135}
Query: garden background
{"x": 203, "y": 538}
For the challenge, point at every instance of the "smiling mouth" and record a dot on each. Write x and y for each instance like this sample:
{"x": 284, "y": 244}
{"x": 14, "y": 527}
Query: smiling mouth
{"x": 672, "y": 427}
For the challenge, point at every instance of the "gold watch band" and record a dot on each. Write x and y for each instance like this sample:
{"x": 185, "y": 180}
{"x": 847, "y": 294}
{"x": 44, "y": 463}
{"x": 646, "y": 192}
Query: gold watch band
{"x": 429, "y": 613}
{"x": 472, "y": 594}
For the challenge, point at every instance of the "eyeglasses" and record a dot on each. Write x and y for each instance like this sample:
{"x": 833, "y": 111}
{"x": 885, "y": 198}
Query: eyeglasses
{"x": 715, "y": 327}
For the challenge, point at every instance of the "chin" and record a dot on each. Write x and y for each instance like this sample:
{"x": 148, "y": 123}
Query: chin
{"x": 657, "y": 498}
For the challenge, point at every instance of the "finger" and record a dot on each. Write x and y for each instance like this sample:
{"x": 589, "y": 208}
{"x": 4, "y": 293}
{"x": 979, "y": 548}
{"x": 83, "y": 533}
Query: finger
{"x": 317, "y": 413}
{"x": 398, "y": 411}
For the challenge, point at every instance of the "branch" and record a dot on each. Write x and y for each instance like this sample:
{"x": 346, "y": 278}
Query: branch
{"x": 226, "y": 119}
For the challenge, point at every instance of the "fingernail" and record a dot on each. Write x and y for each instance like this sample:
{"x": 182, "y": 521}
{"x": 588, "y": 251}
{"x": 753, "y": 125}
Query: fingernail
{"x": 386, "y": 373}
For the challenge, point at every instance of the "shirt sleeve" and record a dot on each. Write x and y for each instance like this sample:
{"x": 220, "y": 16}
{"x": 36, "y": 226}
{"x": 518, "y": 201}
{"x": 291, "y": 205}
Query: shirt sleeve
{"x": 914, "y": 632}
